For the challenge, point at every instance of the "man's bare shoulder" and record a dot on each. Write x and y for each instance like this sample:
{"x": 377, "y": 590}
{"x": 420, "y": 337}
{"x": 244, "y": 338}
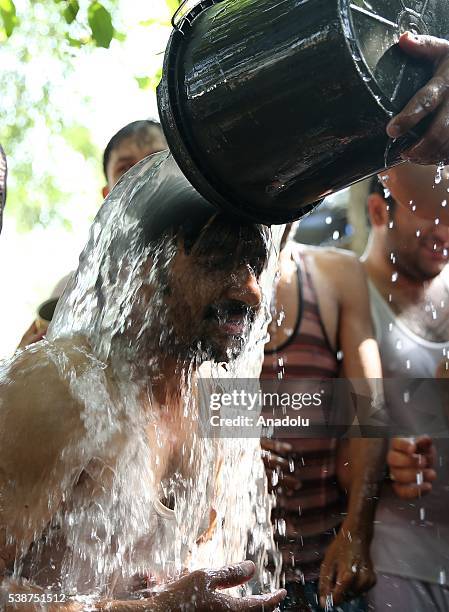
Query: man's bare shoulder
{"x": 39, "y": 413}
{"x": 341, "y": 268}
{"x": 45, "y": 369}
{"x": 41, "y": 432}
{"x": 329, "y": 257}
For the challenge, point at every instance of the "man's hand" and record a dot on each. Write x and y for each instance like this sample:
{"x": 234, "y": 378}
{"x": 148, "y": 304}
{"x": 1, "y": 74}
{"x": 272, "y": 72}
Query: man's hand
{"x": 346, "y": 570}
{"x": 433, "y": 147}
{"x": 411, "y": 465}
{"x": 32, "y": 335}
{"x": 200, "y": 592}
{"x": 277, "y": 467}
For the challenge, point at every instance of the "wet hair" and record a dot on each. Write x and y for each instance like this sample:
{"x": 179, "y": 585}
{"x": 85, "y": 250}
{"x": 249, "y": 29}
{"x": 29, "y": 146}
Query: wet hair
{"x": 137, "y": 129}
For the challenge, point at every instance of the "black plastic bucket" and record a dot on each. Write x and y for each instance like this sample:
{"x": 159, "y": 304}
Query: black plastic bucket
{"x": 270, "y": 105}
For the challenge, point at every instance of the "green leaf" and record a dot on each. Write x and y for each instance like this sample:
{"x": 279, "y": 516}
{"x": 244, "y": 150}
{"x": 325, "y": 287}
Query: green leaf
{"x": 155, "y": 21}
{"x": 150, "y": 82}
{"x": 143, "y": 82}
{"x": 100, "y": 23}
{"x": 80, "y": 139}
{"x": 8, "y": 14}
{"x": 120, "y": 36}
{"x": 71, "y": 11}
{"x": 74, "y": 42}
{"x": 172, "y": 5}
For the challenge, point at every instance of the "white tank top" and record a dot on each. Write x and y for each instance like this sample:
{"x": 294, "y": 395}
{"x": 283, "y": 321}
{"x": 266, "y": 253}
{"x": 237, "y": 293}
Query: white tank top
{"x": 411, "y": 538}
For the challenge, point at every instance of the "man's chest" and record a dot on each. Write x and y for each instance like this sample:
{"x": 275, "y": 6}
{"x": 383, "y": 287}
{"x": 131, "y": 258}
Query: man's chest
{"x": 428, "y": 319}
{"x": 426, "y": 314}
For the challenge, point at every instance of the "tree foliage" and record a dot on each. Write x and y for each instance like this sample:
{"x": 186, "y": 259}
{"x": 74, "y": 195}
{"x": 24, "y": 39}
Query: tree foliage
{"x": 91, "y": 23}
{"x": 57, "y": 31}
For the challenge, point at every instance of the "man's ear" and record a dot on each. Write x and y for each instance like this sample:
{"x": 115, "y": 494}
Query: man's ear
{"x": 377, "y": 210}
{"x": 105, "y": 191}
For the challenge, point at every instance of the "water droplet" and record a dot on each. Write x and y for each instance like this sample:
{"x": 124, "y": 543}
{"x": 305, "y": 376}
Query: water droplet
{"x": 339, "y": 355}
{"x": 399, "y": 345}
{"x": 418, "y": 233}
{"x": 328, "y": 220}
{"x": 387, "y": 193}
{"x": 437, "y": 221}
{"x": 282, "y": 527}
{"x": 414, "y": 208}
{"x": 390, "y": 298}
{"x": 419, "y": 478}
{"x": 442, "y": 577}
{"x": 422, "y": 514}
{"x": 439, "y": 173}
{"x": 408, "y": 364}
{"x": 394, "y": 277}
{"x": 336, "y": 235}
{"x": 390, "y": 224}
{"x": 390, "y": 327}
{"x": 281, "y": 361}
{"x": 444, "y": 203}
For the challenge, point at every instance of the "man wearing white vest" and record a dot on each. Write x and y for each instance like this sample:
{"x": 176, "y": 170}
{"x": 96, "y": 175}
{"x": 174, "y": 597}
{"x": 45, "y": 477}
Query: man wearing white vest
{"x": 406, "y": 262}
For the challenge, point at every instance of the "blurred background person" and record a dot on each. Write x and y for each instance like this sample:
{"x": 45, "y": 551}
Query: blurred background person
{"x": 127, "y": 147}
{"x": 406, "y": 263}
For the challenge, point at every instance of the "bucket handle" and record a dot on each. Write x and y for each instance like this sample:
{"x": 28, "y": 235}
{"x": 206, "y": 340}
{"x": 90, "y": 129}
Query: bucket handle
{"x": 179, "y": 14}
{"x": 182, "y": 12}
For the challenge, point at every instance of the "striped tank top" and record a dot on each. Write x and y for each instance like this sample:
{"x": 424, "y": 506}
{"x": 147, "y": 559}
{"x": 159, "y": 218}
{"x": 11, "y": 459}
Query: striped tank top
{"x": 305, "y": 521}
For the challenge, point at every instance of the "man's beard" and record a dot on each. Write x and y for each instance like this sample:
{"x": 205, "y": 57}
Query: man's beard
{"x": 207, "y": 343}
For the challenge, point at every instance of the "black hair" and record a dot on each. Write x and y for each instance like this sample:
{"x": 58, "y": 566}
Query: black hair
{"x": 132, "y": 129}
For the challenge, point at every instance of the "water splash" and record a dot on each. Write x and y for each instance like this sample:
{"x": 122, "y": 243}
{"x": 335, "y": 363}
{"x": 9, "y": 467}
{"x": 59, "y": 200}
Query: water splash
{"x": 137, "y": 465}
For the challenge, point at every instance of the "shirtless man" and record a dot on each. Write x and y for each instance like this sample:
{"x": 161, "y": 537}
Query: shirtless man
{"x": 67, "y": 451}
{"x": 28, "y": 481}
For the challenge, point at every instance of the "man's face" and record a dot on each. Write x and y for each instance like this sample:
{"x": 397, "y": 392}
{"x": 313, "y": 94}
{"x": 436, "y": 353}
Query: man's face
{"x": 419, "y": 243}
{"x": 214, "y": 295}
{"x": 420, "y": 246}
{"x": 132, "y": 150}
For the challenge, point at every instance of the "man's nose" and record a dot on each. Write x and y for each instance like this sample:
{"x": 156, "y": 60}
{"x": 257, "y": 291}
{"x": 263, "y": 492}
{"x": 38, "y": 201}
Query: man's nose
{"x": 244, "y": 286}
{"x": 441, "y": 232}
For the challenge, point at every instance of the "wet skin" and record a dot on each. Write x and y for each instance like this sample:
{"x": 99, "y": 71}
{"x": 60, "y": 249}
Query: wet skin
{"x": 407, "y": 254}
{"x": 216, "y": 314}
{"x": 198, "y": 286}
